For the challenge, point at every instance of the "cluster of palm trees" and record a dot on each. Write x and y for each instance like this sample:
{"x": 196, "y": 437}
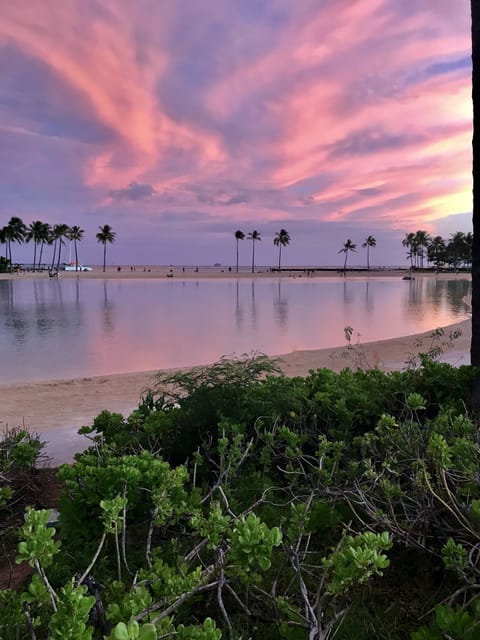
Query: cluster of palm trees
{"x": 42, "y": 234}
{"x": 281, "y": 239}
{"x": 454, "y": 252}
{"x": 350, "y": 246}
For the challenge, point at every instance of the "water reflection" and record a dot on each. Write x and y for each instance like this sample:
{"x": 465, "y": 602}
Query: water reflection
{"x": 369, "y": 306}
{"x": 68, "y": 328}
{"x": 108, "y": 308}
{"x": 347, "y": 291}
{"x": 238, "y": 307}
{"x": 253, "y": 308}
{"x": 280, "y": 306}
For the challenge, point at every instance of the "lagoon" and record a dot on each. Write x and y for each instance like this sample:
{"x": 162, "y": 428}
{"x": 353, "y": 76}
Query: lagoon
{"x": 75, "y": 327}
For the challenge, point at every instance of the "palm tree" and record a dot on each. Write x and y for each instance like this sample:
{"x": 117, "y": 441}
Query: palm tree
{"x": 347, "y": 246}
{"x": 59, "y": 232}
{"x": 75, "y": 234}
{"x": 106, "y": 234}
{"x": 457, "y": 249}
{"x": 34, "y": 232}
{"x": 282, "y": 239}
{"x": 410, "y": 242}
{"x": 239, "y": 235}
{"x": 14, "y": 232}
{"x": 253, "y": 236}
{"x": 369, "y": 242}
{"x": 45, "y": 238}
{"x": 436, "y": 251}
{"x": 422, "y": 240}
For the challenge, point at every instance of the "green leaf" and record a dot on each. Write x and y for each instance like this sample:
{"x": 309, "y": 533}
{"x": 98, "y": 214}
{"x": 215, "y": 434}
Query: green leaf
{"x": 120, "y": 632}
{"x": 148, "y": 632}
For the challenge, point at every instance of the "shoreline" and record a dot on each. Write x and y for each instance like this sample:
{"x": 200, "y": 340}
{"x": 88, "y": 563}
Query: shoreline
{"x": 160, "y": 272}
{"x": 57, "y": 408}
{"x": 62, "y": 404}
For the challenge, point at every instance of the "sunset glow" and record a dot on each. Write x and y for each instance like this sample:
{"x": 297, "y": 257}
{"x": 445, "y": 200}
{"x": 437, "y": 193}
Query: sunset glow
{"x": 179, "y": 122}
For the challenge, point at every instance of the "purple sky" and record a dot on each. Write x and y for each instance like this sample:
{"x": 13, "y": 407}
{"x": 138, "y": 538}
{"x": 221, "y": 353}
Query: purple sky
{"x": 178, "y": 122}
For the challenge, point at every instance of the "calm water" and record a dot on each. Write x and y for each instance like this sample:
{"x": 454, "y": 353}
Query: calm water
{"x": 77, "y": 327}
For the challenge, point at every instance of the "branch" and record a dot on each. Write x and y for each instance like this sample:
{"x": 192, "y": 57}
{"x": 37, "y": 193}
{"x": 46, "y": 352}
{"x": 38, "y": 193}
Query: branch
{"x": 94, "y": 559}
{"x": 148, "y": 555}
{"x": 51, "y": 592}
{"x": 179, "y": 601}
{"x": 225, "y": 615}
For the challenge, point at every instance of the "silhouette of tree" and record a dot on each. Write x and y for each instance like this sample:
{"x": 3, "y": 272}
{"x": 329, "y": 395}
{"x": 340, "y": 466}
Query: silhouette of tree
{"x": 347, "y": 246}
{"x": 369, "y": 242}
{"x": 282, "y": 239}
{"x": 35, "y": 232}
{"x": 422, "y": 241}
{"x": 75, "y": 234}
{"x": 410, "y": 241}
{"x": 437, "y": 251}
{"x": 15, "y": 231}
{"x": 253, "y": 236}
{"x": 59, "y": 233}
{"x": 106, "y": 234}
{"x": 239, "y": 235}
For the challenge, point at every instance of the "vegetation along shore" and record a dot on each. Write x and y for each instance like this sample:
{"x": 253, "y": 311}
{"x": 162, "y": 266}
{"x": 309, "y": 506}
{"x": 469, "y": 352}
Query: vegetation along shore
{"x": 237, "y": 502}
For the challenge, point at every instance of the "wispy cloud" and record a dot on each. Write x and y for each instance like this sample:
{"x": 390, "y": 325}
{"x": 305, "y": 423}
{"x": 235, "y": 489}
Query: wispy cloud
{"x": 333, "y": 112}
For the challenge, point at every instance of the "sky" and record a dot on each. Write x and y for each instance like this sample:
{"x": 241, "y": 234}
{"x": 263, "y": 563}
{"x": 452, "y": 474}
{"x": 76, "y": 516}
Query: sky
{"x": 179, "y": 122}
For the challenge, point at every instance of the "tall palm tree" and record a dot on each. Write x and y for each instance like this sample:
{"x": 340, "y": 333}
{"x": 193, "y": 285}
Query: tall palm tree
{"x": 457, "y": 248}
{"x": 14, "y": 232}
{"x": 239, "y": 235}
{"x": 370, "y": 241}
{"x": 436, "y": 251}
{"x": 410, "y": 241}
{"x": 422, "y": 240}
{"x": 106, "y": 234}
{"x": 58, "y": 235}
{"x": 45, "y": 238}
{"x": 75, "y": 234}
{"x": 34, "y": 232}
{"x": 347, "y": 246}
{"x": 253, "y": 236}
{"x": 281, "y": 239}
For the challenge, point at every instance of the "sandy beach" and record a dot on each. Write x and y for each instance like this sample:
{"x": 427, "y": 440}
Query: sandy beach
{"x": 61, "y": 404}
{"x": 190, "y": 272}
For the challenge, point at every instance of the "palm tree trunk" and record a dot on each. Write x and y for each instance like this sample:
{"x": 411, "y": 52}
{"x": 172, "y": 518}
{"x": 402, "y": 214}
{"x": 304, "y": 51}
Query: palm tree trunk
{"x": 475, "y": 343}
{"x": 34, "y": 254}
{"x": 253, "y": 256}
{"x": 237, "y": 255}
{"x": 59, "y": 254}
{"x": 345, "y": 263}
{"x": 279, "y": 256}
{"x": 104, "y": 255}
{"x": 368, "y": 257}
{"x": 76, "y": 255}
{"x": 40, "y": 256}
{"x": 54, "y": 253}
{"x": 10, "y": 254}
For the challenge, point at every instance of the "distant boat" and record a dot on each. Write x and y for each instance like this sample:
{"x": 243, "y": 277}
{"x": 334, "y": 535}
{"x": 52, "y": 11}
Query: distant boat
{"x": 408, "y": 278}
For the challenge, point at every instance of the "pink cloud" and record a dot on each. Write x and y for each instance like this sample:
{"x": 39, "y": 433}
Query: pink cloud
{"x": 336, "y": 111}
